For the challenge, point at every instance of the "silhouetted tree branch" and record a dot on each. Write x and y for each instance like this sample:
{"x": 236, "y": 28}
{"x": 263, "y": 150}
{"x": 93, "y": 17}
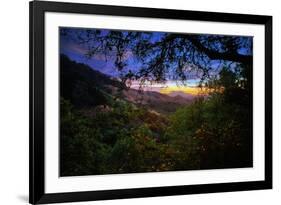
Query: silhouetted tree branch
{"x": 176, "y": 55}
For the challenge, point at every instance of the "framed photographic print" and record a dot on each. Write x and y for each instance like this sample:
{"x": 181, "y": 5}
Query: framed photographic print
{"x": 140, "y": 102}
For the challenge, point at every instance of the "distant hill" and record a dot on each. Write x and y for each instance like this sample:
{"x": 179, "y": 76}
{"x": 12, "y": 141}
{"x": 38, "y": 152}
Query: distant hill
{"x": 154, "y": 100}
{"x": 86, "y": 87}
{"x": 82, "y": 85}
{"x": 180, "y": 94}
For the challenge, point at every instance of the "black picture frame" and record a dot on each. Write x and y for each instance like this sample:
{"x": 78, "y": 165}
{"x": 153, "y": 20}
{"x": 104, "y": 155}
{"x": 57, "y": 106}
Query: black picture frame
{"x": 37, "y": 193}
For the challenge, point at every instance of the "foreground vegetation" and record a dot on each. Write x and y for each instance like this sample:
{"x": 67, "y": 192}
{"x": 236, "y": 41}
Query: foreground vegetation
{"x": 102, "y": 134}
{"x": 123, "y": 138}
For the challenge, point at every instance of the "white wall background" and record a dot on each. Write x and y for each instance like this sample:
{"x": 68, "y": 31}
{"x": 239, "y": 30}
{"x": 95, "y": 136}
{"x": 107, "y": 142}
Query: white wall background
{"x": 14, "y": 100}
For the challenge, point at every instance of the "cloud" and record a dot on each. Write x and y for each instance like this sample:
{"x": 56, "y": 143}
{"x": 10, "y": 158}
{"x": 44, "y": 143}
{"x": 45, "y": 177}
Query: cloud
{"x": 79, "y": 49}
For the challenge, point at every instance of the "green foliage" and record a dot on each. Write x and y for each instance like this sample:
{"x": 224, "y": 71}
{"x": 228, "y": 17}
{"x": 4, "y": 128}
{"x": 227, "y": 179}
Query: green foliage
{"x": 109, "y": 135}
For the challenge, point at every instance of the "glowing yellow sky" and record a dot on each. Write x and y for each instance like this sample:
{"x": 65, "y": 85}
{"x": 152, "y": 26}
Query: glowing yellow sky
{"x": 184, "y": 89}
{"x": 170, "y": 87}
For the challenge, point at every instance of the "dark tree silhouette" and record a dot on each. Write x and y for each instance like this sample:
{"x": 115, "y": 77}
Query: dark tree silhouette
{"x": 165, "y": 54}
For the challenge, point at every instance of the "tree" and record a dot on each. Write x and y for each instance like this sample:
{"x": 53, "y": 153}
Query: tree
{"x": 165, "y": 55}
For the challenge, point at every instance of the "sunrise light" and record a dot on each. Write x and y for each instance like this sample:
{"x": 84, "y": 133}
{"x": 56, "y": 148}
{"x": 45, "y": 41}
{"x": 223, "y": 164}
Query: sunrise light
{"x": 184, "y": 89}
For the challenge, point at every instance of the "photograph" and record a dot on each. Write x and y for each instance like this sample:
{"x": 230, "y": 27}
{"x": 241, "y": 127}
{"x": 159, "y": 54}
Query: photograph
{"x": 152, "y": 101}
{"x": 133, "y": 102}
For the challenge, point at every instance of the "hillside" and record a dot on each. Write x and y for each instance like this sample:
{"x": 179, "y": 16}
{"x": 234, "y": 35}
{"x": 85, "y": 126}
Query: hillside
{"x": 86, "y": 87}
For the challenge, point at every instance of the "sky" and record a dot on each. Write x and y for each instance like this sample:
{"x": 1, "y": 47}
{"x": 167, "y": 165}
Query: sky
{"x": 70, "y": 46}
